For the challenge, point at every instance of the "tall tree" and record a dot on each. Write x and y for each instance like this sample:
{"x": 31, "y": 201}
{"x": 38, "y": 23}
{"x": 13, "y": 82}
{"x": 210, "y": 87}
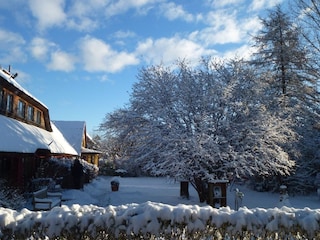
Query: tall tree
{"x": 307, "y": 12}
{"x": 283, "y": 56}
{"x": 200, "y": 123}
{"x": 280, "y": 52}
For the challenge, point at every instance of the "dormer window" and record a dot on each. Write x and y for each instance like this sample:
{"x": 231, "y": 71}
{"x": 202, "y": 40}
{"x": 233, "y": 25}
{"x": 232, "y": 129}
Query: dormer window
{"x": 38, "y": 117}
{"x": 9, "y": 107}
{"x": 30, "y": 113}
{"x": 21, "y": 109}
{"x": 2, "y": 100}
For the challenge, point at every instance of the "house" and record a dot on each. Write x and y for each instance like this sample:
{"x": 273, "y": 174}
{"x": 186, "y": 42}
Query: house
{"x": 76, "y": 134}
{"x": 28, "y": 137}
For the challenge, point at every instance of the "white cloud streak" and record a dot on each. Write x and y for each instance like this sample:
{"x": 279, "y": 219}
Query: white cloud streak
{"x": 40, "y": 48}
{"x": 99, "y": 56}
{"x": 225, "y": 3}
{"x": 257, "y": 5}
{"x": 168, "y": 50}
{"x": 173, "y": 11}
{"x": 13, "y": 42}
{"x": 48, "y": 13}
{"x": 122, "y": 6}
{"x": 61, "y": 61}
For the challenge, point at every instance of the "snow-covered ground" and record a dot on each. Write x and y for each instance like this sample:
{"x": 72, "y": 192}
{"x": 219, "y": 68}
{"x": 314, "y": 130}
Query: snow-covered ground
{"x": 167, "y": 191}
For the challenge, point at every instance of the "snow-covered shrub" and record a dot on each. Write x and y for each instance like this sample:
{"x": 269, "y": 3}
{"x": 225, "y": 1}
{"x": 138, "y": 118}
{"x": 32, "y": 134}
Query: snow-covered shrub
{"x": 62, "y": 167}
{"x": 115, "y": 181}
{"x": 91, "y": 170}
{"x": 106, "y": 168}
{"x": 10, "y": 197}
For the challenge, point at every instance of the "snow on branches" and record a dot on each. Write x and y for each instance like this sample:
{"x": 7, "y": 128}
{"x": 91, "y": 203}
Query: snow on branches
{"x": 201, "y": 121}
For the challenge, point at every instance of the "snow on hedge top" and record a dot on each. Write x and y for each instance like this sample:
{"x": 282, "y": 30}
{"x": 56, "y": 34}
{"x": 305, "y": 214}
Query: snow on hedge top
{"x": 156, "y": 218}
{"x": 24, "y": 138}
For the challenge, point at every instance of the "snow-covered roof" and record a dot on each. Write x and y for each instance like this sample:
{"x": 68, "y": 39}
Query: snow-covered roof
{"x": 25, "y": 138}
{"x": 92, "y": 151}
{"x": 8, "y": 77}
{"x": 73, "y": 131}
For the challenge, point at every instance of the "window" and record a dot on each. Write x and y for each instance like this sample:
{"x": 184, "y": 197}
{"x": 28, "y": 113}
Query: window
{"x": 9, "y": 107}
{"x": 21, "y": 109}
{"x": 38, "y": 117}
{"x": 2, "y": 100}
{"x": 30, "y": 113}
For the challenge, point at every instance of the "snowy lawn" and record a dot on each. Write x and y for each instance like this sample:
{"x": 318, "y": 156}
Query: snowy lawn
{"x": 163, "y": 190}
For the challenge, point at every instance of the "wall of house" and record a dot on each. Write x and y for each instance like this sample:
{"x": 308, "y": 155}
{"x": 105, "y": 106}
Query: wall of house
{"x": 91, "y": 158}
{"x": 19, "y": 108}
{"x": 18, "y": 169}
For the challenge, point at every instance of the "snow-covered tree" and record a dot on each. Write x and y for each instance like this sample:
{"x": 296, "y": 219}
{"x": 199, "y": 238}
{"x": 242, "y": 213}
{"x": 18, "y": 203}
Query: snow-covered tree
{"x": 307, "y": 15}
{"x": 200, "y": 123}
{"x": 285, "y": 64}
{"x": 282, "y": 54}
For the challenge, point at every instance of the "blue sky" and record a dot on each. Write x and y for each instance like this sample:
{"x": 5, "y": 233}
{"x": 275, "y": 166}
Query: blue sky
{"x": 81, "y": 57}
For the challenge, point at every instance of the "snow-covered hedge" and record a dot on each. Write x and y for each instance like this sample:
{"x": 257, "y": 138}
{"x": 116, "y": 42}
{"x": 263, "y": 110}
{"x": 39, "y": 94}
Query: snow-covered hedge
{"x": 11, "y": 197}
{"x": 153, "y": 220}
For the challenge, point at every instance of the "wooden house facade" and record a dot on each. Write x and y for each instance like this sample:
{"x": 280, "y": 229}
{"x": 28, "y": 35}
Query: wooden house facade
{"x": 27, "y": 135}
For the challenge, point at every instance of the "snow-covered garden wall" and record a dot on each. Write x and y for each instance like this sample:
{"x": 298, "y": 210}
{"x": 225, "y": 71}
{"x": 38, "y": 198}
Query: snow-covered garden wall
{"x": 152, "y": 220}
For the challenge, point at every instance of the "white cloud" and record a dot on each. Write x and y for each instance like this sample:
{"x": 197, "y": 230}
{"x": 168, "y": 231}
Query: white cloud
{"x": 257, "y": 5}
{"x": 82, "y": 24}
{"x": 124, "y": 34}
{"x": 82, "y": 8}
{"x": 250, "y": 26}
{"x": 16, "y": 55}
{"x": 168, "y": 50}
{"x": 39, "y": 48}
{"x": 223, "y": 29}
{"x": 99, "y": 56}
{"x": 84, "y": 15}
{"x": 122, "y": 6}
{"x": 44, "y": 50}
{"x": 224, "y": 3}
{"x": 244, "y": 52}
{"x": 173, "y": 11}
{"x": 8, "y": 38}
{"x": 48, "y": 13}
{"x": 226, "y": 27}
{"x": 61, "y": 61}
{"x": 13, "y": 42}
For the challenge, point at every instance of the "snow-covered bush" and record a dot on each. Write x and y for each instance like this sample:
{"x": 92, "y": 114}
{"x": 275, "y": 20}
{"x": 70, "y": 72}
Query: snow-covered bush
{"x": 106, "y": 168}
{"x": 61, "y": 168}
{"x": 91, "y": 170}
{"x": 10, "y": 197}
{"x": 159, "y": 221}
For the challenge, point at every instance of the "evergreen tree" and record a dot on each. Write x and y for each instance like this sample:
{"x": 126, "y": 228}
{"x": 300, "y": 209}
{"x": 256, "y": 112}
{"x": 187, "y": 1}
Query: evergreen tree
{"x": 282, "y": 55}
{"x": 284, "y": 63}
{"x": 307, "y": 14}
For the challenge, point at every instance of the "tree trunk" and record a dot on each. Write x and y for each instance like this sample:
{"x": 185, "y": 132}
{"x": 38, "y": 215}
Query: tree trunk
{"x": 201, "y": 188}
{"x": 184, "y": 189}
